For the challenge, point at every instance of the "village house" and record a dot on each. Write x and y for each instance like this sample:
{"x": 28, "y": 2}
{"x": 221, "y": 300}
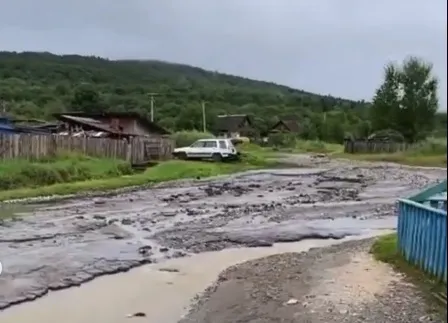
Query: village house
{"x": 285, "y": 125}
{"x": 6, "y": 125}
{"x": 110, "y": 124}
{"x": 234, "y": 126}
{"x": 11, "y": 125}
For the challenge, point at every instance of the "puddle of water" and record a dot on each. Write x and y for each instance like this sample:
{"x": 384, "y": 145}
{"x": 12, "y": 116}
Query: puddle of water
{"x": 13, "y": 210}
{"x": 350, "y": 226}
{"x": 162, "y": 296}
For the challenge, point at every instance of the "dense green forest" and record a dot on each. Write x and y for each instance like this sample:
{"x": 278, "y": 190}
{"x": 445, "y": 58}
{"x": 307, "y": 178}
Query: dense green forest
{"x": 36, "y": 85}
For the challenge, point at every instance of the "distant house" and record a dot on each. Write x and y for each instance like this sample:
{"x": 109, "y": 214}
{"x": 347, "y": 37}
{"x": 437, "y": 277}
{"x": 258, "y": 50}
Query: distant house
{"x": 234, "y": 125}
{"x": 112, "y": 125}
{"x": 291, "y": 126}
{"x": 36, "y": 125}
{"x": 8, "y": 125}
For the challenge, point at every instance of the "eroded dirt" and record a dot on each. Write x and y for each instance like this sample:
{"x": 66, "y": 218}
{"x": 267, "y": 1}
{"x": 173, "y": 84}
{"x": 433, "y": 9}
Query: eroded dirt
{"x": 56, "y": 246}
{"x": 341, "y": 283}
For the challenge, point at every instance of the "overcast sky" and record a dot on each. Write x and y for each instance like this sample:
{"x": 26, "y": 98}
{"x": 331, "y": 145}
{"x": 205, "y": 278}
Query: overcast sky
{"x": 336, "y": 47}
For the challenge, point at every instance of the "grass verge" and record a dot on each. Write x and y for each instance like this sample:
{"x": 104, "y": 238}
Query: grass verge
{"x": 430, "y": 153}
{"x": 399, "y": 158}
{"x": 63, "y": 168}
{"x": 298, "y": 147}
{"x": 385, "y": 249}
{"x": 165, "y": 171}
{"x": 317, "y": 146}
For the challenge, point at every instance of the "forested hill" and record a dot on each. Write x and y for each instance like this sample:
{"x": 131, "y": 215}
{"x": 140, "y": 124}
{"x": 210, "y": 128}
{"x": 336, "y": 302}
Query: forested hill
{"x": 39, "y": 84}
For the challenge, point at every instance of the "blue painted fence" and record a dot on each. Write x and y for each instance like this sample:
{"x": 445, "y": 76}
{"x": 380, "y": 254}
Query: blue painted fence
{"x": 422, "y": 230}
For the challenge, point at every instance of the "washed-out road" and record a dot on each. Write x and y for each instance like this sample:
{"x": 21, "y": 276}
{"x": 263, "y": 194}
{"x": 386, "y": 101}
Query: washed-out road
{"x": 54, "y": 246}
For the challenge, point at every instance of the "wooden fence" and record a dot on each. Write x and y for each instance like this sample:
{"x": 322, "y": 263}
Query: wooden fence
{"x": 138, "y": 150}
{"x": 374, "y": 147}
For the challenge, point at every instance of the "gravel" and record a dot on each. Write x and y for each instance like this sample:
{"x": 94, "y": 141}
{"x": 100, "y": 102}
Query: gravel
{"x": 342, "y": 283}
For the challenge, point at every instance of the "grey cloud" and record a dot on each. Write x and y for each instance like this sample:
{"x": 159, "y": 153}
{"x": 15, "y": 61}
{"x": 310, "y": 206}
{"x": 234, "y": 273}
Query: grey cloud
{"x": 324, "y": 46}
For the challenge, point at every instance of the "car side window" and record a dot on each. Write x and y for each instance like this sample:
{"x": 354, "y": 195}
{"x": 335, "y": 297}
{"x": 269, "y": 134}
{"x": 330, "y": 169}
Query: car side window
{"x": 222, "y": 144}
{"x": 199, "y": 144}
{"x": 211, "y": 144}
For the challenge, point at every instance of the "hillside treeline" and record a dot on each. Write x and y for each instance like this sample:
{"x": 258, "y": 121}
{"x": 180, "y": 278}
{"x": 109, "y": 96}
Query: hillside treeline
{"x": 36, "y": 85}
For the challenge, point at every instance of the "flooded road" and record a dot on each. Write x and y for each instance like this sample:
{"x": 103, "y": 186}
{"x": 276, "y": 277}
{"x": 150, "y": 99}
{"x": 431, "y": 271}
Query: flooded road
{"x": 163, "y": 292}
{"x": 55, "y": 246}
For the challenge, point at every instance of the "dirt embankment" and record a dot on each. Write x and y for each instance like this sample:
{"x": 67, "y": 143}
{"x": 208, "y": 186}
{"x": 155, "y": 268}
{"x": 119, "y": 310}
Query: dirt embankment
{"x": 56, "y": 246}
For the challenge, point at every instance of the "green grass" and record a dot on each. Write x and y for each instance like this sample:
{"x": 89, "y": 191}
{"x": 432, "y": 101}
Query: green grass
{"x": 64, "y": 168}
{"x": 399, "y": 158}
{"x": 257, "y": 151}
{"x": 385, "y": 249}
{"x": 298, "y": 147}
{"x": 317, "y": 146}
{"x": 430, "y": 153}
{"x": 105, "y": 179}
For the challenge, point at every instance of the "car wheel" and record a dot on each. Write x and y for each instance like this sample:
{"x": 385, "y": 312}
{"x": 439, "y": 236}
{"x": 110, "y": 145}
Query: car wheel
{"x": 182, "y": 156}
{"x": 217, "y": 157}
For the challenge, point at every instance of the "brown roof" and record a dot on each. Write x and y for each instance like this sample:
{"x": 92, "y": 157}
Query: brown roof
{"x": 291, "y": 125}
{"x": 232, "y": 122}
{"x": 91, "y": 120}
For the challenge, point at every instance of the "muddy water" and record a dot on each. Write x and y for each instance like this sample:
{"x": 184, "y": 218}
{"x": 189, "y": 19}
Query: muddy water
{"x": 56, "y": 246}
{"x": 163, "y": 292}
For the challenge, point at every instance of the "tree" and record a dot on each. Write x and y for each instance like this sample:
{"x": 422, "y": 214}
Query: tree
{"x": 55, "y": 83}
{"x": 385, "y": 101}
{"x": 419, "y": 101}
{"x": 407, "y": 100}
{"x": 86, "y": 99}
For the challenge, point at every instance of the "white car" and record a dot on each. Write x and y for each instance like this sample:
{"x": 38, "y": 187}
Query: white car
{"x": 214, "y": 149}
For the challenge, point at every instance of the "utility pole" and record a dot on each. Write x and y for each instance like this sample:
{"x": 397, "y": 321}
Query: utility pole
{"x": 152, "y": 104}
{"x": 3, "y": 106}
{"x": 204, "y": 121}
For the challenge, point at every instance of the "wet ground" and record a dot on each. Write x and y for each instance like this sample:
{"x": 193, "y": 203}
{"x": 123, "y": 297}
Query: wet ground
{"x": 55, "y": 246}
{"x": 163, "y": 292}
{"x": 340, "y": 283}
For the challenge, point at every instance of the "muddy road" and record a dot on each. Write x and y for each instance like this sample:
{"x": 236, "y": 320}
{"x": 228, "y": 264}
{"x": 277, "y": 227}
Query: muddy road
{"x": 55, "y": 246}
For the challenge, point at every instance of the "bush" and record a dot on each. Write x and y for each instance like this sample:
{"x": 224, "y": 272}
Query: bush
{"x": 429, "y": 147}
{"x": 186, "y": 138}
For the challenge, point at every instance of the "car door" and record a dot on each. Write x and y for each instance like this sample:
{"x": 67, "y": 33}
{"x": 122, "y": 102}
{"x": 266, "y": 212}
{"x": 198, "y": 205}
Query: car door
{"x": 196, "y": 149}
{"x": 224, "y": 147}
{"x": 210, "y": 147}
